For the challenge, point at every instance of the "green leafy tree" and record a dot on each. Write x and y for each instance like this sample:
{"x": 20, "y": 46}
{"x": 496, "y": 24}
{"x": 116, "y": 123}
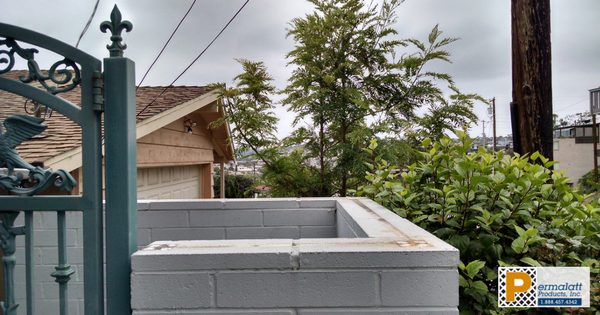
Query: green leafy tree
{"x": 249, "y": 110}
{"x": 497, "y": 210}
{"x": 236, "y": 186}
{"x": 346, "y": 76}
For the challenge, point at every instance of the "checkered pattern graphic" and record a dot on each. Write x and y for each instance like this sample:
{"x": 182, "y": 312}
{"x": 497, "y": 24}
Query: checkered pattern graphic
{"x": 522, "y": 299}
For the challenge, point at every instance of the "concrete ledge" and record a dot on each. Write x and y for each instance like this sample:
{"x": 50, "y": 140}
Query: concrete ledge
{"x": 379, "y": 263}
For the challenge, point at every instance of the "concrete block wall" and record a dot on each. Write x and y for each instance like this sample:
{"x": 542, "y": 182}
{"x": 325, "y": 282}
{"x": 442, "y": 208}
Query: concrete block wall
{"x": 235, "y": 219}
{"x": 45, "y": 259}
{"x": 307, "y": 256}
{"x": 379, "y": 264}
{"x": 168, "y": 220}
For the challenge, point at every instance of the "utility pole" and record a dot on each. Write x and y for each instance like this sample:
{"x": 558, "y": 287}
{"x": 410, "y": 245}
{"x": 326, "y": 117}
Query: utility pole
{"x": 531, "y": 108}
{"x": 594, "y": 109}
{"x": 494, "y": 120}
{"x": 483, "y": 121}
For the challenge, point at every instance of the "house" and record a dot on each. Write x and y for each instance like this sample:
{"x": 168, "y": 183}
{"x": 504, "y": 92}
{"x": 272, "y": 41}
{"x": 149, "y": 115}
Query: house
{"x": 574, "y": 150}
{"x": 176, "y": 149}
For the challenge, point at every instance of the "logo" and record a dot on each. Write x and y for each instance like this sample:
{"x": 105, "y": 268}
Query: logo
{"x": 543, "y": 287}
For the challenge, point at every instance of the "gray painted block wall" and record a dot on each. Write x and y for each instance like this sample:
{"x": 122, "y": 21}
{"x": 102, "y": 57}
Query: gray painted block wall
{"x": 378, "y": 264}
{"x": 315, "y": 224}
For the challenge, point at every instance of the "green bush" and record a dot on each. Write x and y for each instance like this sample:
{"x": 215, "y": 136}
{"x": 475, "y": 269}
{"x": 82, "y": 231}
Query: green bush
{"x": 497, "y": 210}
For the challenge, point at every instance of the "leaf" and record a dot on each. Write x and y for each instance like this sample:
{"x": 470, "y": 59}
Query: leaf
{"x": 531, "y": 262}
{"x": 473, "y": 268}
{"x": 521, "y": 232}
{"x": 531, "y": 232}
{"x": 462, "y": 282}
{"x": 459, "y": 241}
{"x": 518, "y": 245}
{"x": 479, "y": 285}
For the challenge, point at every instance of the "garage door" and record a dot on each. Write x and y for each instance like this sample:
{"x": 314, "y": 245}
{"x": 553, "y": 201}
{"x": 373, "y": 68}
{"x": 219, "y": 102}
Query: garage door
{"x": 177, "y": 182}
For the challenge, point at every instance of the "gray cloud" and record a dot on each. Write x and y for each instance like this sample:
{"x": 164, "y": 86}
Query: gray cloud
{"x": 481, "y": 59}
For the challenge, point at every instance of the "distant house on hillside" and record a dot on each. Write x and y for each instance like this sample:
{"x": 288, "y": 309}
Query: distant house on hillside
{"x": 175, "y": 148}
{"x": 574, "y": 150}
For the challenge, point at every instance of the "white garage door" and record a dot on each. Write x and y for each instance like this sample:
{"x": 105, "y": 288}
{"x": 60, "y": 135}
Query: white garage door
{"x": 177, "y": 182}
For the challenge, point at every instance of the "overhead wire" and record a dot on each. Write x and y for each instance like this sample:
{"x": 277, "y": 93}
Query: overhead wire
{"x": 166, "y": 44}
{"x": 87, "y": 25}
{"x": 194, "y": 61}
{"x": 571, "y": 105}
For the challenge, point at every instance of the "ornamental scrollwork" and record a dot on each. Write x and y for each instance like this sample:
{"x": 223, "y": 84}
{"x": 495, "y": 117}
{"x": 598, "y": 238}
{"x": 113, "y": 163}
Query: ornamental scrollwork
{"x": 18, "y": 129}
{"x": 64, "y": 79}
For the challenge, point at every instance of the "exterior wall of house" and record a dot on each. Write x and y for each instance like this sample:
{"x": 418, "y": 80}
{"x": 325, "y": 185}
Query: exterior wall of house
{"x": 575, "y": 158}
{"x": 172, "y": 145}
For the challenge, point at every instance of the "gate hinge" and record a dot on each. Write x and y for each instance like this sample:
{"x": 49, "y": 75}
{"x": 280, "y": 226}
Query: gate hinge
{"x": 98, "y": 91}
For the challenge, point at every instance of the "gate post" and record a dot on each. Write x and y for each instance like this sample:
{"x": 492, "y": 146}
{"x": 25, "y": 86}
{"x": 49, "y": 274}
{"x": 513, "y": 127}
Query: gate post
{"x": 120, "y": 168}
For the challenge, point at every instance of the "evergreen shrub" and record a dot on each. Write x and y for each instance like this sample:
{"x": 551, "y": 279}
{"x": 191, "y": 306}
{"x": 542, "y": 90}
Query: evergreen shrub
{"x": 497, "y": 210}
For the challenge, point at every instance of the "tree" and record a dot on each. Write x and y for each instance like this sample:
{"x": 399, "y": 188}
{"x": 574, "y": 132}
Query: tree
{"x": 346, "y": 72}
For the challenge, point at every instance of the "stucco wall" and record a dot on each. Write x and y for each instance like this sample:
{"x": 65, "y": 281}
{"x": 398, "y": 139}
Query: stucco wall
{"x": 575, "y": 158}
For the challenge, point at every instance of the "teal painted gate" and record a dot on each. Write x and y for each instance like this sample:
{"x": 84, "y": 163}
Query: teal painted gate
{"x": 109, "y": 91}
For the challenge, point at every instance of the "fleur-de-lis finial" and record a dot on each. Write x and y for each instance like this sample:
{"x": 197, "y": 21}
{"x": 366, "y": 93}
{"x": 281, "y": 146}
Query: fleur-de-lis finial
{"x": 116, "y": 26}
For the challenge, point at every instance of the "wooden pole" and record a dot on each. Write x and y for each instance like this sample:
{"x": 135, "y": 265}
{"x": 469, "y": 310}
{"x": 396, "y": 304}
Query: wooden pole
{"x": 595, "y": 135}
{"x": 532, "y": 77}
{"x": 494, "y": 119}
{"x": 222, "y": 179}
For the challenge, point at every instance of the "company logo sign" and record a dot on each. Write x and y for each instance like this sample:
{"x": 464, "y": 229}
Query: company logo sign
{"x": 543, "y": 287}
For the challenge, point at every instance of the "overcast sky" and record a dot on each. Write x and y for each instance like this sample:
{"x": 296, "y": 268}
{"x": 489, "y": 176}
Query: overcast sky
{"x": 481, "y": 59}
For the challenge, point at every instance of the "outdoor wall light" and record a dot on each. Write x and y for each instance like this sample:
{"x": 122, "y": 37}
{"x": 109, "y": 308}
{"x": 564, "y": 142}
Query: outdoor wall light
{"x": 188, "y": 123}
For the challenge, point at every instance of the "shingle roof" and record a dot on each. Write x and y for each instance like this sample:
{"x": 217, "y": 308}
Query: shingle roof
{"x": 63, "y": 135}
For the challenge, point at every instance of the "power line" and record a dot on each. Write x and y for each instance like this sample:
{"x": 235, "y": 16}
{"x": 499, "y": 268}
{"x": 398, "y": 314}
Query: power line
{"x": 167, "y": 43}
{"x": 87, "y": 25}
{"x": 198, "y": 57}
{"x": 570, "y": 105}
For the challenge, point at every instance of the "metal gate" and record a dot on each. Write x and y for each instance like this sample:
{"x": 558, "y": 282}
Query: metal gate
{"x": 110, "y": 92}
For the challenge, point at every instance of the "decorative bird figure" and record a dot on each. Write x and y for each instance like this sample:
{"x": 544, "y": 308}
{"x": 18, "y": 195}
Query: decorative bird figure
{"x": 18, "y": 129}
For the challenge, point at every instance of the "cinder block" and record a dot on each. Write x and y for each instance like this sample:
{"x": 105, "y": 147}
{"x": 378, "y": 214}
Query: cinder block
{"x": 144, "y": 237}
{"x": 164, "y": 219}
{"x": 183, "y": 234}
{"x": 275, "y": 203}
{"x": 296, "y": 289}
{"x": 44, "y": 306}
{"x": 21, "y": 291}
{"x": 220, "y": 312}
{"x": 299, "y": 217}
{"x": 318, "y": 203}
{"x": 344, "y": 230}
{"x": 48, "y": 238}
{"x": 318, "y": 232}
{"x": 237, "y": 233}
{"x": 170, "y": 291}
{"x": 73, "y": 219}
{"x": 381, "y": 311}
{"x": 214, "y": 255}
{"x": 186, "y": 204}
{"x": 427, "y": 287}
{"x": 74, "y": 291}
{"x": 371, "y": 253}
{"x": 143, "y": 205}
{"x": 49, "y": 255}
{"x": 223, "y": 218}
{"x": 37, "y": 255}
